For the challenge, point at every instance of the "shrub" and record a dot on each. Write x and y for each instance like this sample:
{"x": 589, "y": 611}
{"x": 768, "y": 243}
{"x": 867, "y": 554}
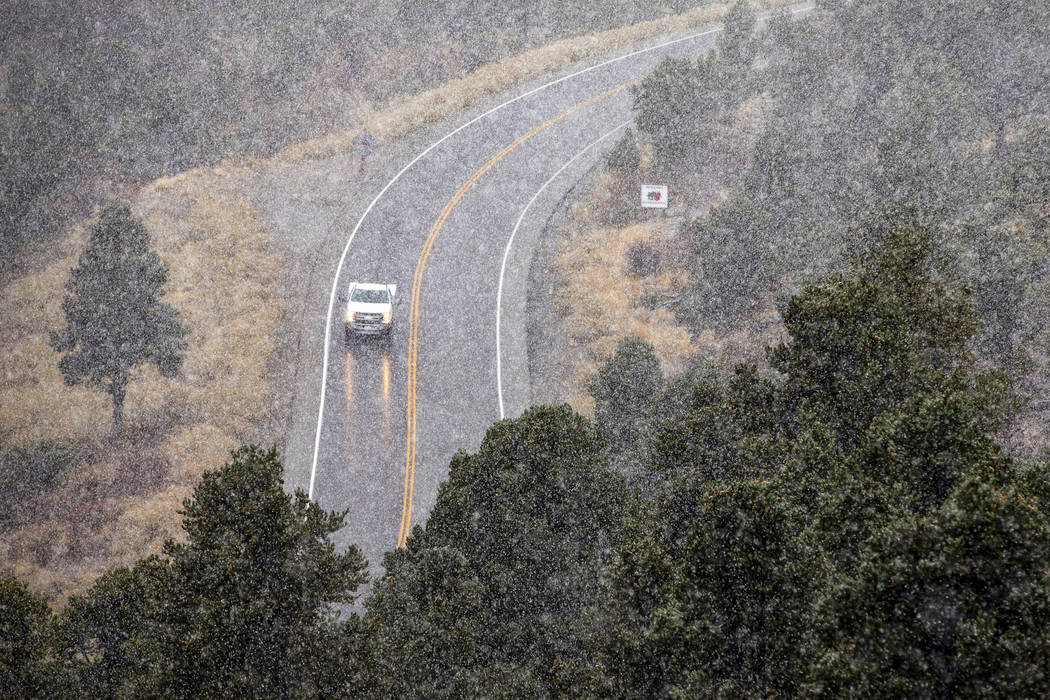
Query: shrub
{"x": 624, "y": 156}
{"x": 25, "y": 471}
{"x": 643, "y": 259}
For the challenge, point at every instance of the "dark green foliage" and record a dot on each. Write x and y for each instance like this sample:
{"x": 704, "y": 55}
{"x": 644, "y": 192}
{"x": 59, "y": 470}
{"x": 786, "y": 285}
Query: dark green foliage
{"x": 115, "y": 319}
{"x": 27, "y": 471}
{"x": 672, "y": 105}
{"x": 624, "y": 391}
{"x": 949, "y": 606}
{"x": 108, "y": 638}
{"x": 242, "y": 608}
{"x": 735, "y": 248}
{"x": 737, "y": 50}
{"x": 801, "y": 62}
{"x": 491, "y": 596}
{"x": 848, "y": 527}
{"x": 643, "y": 259}
{"x": 624, "y": 158}
{"x": 924, "y": 447}
{"x": 1011, "y": 264}
{"x": 1024, "y": 179}
{"x": 837, "y": 530}
{"x": 678, "y": 103}
{"x": 859, "y": 347}
{"x": 41, "y": 133}
{"x": 883, "y": 106}
{"x": 425, "y": 611}
{"x": 253, "y": 580}
{"x": 731, "y": 611}
{"x": 714, "y": 439}
{"x": 25, "y": 671}
{"x": 1002, "y": 81}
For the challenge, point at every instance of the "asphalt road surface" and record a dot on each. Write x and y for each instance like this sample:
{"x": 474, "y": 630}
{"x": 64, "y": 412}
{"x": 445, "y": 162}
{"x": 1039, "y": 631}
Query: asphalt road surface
{"x": 455, "y": 228}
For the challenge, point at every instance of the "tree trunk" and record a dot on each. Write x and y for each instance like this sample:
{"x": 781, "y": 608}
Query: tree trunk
{"x": 118, "y": 390}
{"x": 1000, "y": 139}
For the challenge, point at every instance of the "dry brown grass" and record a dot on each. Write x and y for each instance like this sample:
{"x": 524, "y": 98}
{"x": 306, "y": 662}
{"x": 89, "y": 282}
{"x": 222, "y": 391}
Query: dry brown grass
{"x": 599, "y": 299}
{"x": 221, "y": 266}
{"x": 121, "y": 502}
{"x": 404, "y": 114}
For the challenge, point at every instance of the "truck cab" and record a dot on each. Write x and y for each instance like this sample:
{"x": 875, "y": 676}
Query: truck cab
{"x": 369, "y": 309}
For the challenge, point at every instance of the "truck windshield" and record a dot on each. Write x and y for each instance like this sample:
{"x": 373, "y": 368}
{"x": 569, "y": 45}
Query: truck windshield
{"x": 370, "y": 296}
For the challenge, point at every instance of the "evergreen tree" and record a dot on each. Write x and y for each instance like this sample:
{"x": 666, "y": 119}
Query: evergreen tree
{"x": 674, "y": 103}
{"x": 624, "y": 392}
{"x": 254, "y": 580}
{"x": 245, "y": 607}
{"x": 862, "y": 346}
{"x": 423, "y": 625}
{"x": 736, "y": 263}
{"x": 25, "y": 619}
{"x": 115, "y": 319}
{"x": 491, "y": 596}
{"x": 737, "y": 50}
{"x": 107, "y": 637}
{"x": 953, "y": 605}
{"x": 777, "y": 494}
{"x": 730, "y": 608}
{"x": 624, "y": 157}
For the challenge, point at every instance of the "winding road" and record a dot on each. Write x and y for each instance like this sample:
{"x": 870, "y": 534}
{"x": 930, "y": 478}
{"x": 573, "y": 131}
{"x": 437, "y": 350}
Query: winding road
{"x": 453, "y": 216}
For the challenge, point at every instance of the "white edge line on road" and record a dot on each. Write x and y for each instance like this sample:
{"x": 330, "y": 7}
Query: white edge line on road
{"x": 510, "y": 243}
{"x": 346, "y": 249}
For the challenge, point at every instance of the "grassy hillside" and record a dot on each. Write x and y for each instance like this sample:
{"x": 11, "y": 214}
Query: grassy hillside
{"x": 99, "y": 96}
{"x": 788, "y": 150}
{"x": 116, "y": 502}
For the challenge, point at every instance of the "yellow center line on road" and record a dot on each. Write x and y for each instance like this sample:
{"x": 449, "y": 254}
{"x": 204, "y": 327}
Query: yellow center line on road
{"x": 413, "y": 319}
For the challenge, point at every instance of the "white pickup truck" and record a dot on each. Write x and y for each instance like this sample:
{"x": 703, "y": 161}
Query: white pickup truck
{"x": 369, "y": 309}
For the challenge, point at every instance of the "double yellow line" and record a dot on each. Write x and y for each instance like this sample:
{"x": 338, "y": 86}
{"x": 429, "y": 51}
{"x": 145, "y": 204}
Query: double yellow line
{"x": 413, "y": 319}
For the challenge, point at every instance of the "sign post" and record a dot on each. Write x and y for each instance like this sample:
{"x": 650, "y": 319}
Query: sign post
{"x": 363, "y": 144}
{"x": 654, "y": 196}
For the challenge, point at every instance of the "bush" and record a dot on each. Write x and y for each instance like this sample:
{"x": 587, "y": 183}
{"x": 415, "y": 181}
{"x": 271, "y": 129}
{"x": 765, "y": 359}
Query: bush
{"x": 624, "y": 390}
{"x": 737, "y": 260}
{"x": 643, "y": 259}
{"x": 624, "y": 156}
{"x": 25, "y": 471}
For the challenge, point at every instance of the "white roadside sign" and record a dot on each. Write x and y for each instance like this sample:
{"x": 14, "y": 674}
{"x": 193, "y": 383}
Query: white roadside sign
{"x": 654, "y": 196}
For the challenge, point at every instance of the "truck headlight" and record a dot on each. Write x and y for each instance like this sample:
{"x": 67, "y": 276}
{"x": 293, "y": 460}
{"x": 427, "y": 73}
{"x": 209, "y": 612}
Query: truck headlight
{"x": 349, "y": 316}
{"x": 387, "y": 317}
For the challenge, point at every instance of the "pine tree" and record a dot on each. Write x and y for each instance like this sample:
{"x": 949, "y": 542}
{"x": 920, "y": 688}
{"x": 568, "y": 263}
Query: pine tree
{"x": 115, "y": 320}
{"x": 25, "y": 670}
{"x": 951, "y": 605}
{"x": 490, "y": 599}
{"x": 624, "y": 391}
{"x": 245, "y": 607}
{"x": 254, "y": 583}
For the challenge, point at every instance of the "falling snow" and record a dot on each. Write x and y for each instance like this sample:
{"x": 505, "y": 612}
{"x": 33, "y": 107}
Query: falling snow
{"x": 789, "y": 436}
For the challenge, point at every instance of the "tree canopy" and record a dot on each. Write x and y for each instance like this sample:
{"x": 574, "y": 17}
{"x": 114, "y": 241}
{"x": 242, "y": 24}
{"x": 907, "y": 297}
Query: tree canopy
{"x": 115, "y": 319}
{"x": 244, "y": 607}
